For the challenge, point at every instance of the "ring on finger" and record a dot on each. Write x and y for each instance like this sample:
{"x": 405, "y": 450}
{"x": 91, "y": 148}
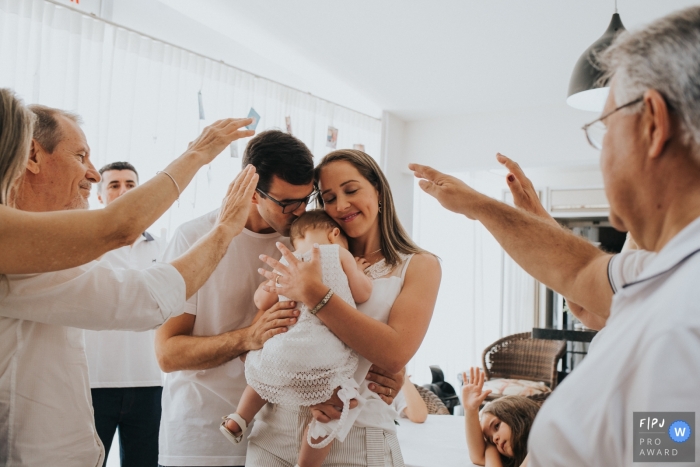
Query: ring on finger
{"x": 389, "y": 392}
{"x": 277, "y": 284}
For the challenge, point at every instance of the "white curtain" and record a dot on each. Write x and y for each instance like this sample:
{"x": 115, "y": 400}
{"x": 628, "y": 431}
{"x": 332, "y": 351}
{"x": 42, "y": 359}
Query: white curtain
{"x": 519, "y": 298}
{"x": 139, "y": 97}
{"x": 483, "y": 295}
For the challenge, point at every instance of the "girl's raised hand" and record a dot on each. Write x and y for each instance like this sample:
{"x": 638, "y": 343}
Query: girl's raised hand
{"x": 472, "y": 395}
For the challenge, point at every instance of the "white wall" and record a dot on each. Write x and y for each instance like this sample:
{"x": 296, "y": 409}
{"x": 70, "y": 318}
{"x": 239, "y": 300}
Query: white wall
{"x": 394, "y": 167}
{"x": 548, "y": 136}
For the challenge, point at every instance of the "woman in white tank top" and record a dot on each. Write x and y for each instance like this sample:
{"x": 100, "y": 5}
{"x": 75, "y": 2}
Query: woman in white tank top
{"x": 389, "y": 328}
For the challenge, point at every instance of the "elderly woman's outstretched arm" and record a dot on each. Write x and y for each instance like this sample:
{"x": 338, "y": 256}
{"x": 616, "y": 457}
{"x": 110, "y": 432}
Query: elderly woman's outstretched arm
{"x": 43, "y": 242}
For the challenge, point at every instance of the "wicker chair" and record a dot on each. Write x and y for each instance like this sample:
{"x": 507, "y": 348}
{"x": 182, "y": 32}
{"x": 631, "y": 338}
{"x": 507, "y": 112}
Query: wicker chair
{"x": 432, "y": 402}
{"x": 519, "y": 356}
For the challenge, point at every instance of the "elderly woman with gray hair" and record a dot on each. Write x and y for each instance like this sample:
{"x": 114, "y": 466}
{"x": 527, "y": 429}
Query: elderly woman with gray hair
{"x": 44, "y": 392}
{"x": 644, "y": 364}
{"x": 31, "y": 242}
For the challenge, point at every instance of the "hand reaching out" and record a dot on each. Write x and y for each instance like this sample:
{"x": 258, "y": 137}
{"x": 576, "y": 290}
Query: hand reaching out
{"x": 472, "y": 395}
{"x": 218, "y": 135}
{"x": 524, "y": 193}
{"x": 236, "y": 205}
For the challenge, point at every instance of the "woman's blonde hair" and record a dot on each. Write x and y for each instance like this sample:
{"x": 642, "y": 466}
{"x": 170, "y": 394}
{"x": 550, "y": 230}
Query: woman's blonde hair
{"x": 394, "y": 240}
{"x": 518, "y": 412}
{"x": 16, "y": 128}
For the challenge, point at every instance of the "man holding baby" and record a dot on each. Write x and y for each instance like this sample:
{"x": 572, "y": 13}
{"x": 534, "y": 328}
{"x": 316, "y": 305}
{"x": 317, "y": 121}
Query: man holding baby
{"x": 199, "y": 350}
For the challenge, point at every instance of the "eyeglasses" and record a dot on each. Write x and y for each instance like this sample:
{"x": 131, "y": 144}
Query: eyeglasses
{"x": 291, "y": 205}
{"x": 595, "y": 131}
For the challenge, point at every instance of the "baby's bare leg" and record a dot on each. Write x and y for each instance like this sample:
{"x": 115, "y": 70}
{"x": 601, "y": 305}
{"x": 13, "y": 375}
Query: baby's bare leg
{"x": 249, "y": 405}
{"x": 312, "y": 457}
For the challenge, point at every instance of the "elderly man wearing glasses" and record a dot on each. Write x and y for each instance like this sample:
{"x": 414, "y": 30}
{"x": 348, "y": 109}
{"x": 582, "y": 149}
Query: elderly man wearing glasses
{"x": 647, "y": 358}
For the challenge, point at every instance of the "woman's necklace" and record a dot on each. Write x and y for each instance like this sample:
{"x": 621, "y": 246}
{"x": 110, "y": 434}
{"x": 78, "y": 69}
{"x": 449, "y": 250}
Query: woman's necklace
{"x": 370, "y": 254}
{"x": 377, "y": 269}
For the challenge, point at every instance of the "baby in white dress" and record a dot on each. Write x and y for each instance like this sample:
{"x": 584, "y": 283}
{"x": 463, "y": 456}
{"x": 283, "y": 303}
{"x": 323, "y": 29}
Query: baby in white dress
{"x": 305, "y": 365}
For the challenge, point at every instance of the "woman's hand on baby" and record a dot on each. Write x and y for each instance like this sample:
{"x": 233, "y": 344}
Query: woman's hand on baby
{"x": 331, "y": 409}
{"x": 297, "y": 280}
{"x": 472, "y": 394}
{"x": 385, "y": 384}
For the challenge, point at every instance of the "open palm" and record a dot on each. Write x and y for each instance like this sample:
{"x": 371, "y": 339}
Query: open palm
{"x": 472, "y": 394}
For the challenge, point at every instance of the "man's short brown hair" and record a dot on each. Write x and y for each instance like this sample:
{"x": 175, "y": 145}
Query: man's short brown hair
{"x": 47, "y": 130}
{"x": 314, "y": 219}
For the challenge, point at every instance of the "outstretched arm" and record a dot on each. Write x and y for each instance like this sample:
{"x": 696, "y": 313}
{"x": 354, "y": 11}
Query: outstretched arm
{"x": 472, "y": 398}
{"x": 199, "y": 261}
{"x": 43, "y": 242}
{"x": 524, "y": 194}
{"x": 564, "y": 262}
{"x": 525, "y": 197}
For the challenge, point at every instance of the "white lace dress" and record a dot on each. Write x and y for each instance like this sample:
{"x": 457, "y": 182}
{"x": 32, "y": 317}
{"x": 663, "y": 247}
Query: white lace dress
{"x": 303, "y": 366}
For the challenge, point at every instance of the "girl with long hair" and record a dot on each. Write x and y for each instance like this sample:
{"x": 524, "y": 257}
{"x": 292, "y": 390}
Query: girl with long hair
{"x": 496, "y": 436}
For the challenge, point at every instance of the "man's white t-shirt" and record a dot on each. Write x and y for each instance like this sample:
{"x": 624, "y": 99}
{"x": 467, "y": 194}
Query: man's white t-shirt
{"x": 646, "y": 360}
{"x": 195, "y": 401}
{"x": 125, "y": 359}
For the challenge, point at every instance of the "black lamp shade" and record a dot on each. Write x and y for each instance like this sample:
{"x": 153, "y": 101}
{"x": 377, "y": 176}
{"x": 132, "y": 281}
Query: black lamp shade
{"x": 587, "y": 73}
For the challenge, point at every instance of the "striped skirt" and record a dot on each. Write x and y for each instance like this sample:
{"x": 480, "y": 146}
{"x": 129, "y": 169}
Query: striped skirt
{"x": 277, "y": 434}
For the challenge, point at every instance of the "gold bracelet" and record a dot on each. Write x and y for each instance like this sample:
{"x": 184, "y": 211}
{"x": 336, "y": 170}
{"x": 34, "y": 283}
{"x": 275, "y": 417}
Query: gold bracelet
{"x": 322, "y": 303}
{"x": 176, "y": 185}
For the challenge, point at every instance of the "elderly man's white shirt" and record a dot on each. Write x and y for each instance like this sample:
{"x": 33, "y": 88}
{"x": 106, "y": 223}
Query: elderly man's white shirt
{"x": 126, "y": 359}
{"x": 45, "y": 404}
{"x": 647, "y": 359}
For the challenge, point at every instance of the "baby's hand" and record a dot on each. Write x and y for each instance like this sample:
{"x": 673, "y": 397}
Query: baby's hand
{"x": 362, "y": 263}
{"x": 472, "y": 396}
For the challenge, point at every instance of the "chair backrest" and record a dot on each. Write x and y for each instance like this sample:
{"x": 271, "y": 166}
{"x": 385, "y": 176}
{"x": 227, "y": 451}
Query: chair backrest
{"x": 432, "y": 401}
{"x": 443, "y": 389}
{"x": 519, "y": 356}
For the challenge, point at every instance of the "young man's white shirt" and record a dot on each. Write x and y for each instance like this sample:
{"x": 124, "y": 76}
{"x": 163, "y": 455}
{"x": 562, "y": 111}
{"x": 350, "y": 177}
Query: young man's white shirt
{"x": 647, "y": 359}
{"x": 46, "y": 413}
{"x": 125, "y": 359}
{"x": 195, "y": 401}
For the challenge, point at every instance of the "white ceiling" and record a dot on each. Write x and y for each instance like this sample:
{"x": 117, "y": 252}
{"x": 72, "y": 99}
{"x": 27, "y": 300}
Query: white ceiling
{"x": 421, "y": 59}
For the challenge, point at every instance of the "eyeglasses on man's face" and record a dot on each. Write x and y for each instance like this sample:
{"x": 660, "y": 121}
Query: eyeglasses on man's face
{"x": 291, "y": 205}
{"x": 595, "y": 131}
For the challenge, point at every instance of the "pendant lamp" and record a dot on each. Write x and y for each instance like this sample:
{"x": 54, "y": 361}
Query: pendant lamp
{"x": 585, "y": 92}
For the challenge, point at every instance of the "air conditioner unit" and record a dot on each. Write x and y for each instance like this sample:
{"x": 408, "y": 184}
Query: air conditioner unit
{"x": 571, "y": 202}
